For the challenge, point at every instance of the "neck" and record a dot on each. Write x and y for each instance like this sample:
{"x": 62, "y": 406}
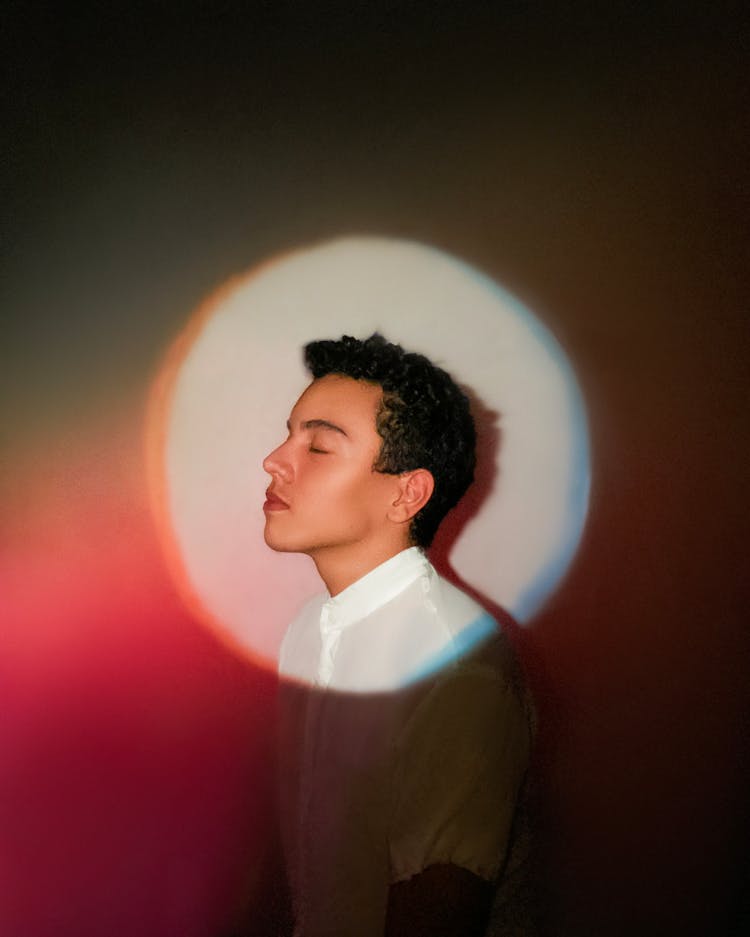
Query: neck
{"x": 338, "y": 571}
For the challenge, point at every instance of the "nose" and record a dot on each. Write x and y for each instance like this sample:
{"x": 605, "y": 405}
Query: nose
{"x": 276, "y": 463}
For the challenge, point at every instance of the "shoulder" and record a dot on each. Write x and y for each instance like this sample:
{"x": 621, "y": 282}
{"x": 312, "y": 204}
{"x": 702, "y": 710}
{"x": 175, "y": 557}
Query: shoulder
{"x": 470, "y": 634}
{"x": 468, "y": 702}
{"x": 476, "y": 677}
{"x": 453, "y": 602}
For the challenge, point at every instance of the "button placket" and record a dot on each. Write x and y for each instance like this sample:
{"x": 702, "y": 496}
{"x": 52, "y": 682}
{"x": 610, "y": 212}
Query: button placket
{"x": 330, "y": 635}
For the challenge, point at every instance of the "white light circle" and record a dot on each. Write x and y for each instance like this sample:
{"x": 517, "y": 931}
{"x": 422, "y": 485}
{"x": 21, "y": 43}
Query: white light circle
{"x": 227, "y": 389}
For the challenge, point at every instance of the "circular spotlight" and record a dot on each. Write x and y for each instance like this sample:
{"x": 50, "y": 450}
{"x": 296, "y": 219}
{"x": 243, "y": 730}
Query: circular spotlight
{"x": 222, "y": 398}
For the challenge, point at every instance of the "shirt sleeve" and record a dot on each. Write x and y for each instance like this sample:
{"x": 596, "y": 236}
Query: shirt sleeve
{"x": 459, "y": 764}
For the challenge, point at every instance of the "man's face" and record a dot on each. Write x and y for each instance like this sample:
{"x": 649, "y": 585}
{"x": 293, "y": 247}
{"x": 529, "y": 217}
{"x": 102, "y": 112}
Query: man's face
{"x": 324, "y": 494}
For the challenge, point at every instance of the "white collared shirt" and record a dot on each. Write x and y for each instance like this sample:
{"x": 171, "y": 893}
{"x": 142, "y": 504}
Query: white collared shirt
{"x": 393, "y": 626}
{"x": 403, "y": 743}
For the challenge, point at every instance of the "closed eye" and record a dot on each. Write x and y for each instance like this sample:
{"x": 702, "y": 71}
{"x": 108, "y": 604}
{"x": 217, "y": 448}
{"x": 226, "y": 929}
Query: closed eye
{"x": 318, "y": 451}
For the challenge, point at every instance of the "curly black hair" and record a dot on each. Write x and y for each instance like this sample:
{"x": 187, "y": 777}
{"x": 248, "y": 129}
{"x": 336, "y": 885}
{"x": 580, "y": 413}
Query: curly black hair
{"x": 423, "y": 418}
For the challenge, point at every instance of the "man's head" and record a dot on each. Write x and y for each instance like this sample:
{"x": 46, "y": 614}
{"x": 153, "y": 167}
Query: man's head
{"x": 423, "y": 418}
{"x": 381, "y": 445}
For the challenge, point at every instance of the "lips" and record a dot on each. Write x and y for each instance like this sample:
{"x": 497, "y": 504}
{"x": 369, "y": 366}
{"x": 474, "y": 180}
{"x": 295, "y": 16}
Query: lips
{"x": 274, "y": 502}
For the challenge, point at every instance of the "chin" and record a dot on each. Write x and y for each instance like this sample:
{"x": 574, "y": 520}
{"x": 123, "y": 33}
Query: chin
{"x": 279, "y": 543}
{"x": 274, "y": 543}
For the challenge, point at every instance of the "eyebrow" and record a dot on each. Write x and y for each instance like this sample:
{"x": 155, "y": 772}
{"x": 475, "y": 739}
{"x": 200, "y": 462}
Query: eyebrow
{"x": 318, "y": 424}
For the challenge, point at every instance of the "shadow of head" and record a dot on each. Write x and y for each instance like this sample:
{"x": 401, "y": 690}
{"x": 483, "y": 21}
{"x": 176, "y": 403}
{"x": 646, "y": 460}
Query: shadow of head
{"x": 486, "y": 422}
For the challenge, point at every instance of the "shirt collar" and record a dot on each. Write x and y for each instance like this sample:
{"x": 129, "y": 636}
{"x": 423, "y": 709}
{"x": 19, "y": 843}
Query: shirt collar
{"x": 374, "y": 589}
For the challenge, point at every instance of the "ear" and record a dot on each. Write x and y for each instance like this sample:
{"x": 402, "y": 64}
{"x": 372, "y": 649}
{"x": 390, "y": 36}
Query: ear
{"x": 414, "y": 491}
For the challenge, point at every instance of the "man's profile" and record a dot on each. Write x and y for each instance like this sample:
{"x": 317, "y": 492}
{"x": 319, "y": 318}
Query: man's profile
{"x": 404, "y": 738}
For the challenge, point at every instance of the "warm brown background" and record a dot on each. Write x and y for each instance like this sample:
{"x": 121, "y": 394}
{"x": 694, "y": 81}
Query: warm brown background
{"x": 597, "y": 166}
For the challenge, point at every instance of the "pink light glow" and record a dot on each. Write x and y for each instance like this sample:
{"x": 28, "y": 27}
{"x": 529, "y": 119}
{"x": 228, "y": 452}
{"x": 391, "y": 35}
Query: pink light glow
{"x": 133, "y": 747}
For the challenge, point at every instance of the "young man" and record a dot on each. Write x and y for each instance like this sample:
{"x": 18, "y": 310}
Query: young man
{"x": 404, "y": 738}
